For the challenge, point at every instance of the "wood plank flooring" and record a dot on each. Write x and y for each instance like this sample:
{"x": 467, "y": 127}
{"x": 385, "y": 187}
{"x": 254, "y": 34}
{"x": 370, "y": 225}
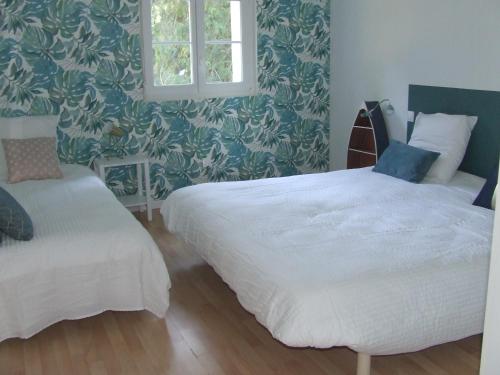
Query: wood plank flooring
{"x": 206, "y": 332}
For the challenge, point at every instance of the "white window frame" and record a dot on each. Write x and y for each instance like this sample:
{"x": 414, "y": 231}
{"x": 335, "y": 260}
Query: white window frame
{"x": 200, "y": 89}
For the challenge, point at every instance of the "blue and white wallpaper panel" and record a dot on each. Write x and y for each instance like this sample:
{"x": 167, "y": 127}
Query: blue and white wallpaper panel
{"x": 81, "y": 59}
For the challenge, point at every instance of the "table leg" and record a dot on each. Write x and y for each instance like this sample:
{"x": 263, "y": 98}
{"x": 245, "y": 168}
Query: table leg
{"x": 140, "y": 183}
{"x": 148, "y": 190}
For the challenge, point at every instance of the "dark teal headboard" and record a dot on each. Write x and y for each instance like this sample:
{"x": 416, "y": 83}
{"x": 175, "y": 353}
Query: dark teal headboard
{"x": 484, "y": 146}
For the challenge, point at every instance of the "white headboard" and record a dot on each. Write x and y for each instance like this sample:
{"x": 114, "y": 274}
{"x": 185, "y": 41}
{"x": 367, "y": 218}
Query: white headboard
{"x": 28, "y": 127}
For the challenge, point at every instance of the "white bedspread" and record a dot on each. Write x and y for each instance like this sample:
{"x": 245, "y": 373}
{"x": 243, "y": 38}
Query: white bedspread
{"x": 349, "y": 258}
{"x": 89, "y": 254}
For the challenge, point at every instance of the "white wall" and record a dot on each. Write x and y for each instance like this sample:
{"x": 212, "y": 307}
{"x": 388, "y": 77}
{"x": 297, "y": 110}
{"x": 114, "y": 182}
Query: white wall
{"x": 381, "y": 46}
{"x": 490, "y": 360}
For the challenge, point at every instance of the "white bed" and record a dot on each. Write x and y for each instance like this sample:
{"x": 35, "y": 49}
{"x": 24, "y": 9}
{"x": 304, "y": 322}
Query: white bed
{"x": 348, "y": 258}
{"x": 88, "y": 255}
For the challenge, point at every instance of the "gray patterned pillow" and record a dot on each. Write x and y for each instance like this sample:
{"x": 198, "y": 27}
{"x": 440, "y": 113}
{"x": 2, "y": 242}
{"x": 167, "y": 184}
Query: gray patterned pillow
{"x": 31, "y": 159}
{"x": 14, "y": 220}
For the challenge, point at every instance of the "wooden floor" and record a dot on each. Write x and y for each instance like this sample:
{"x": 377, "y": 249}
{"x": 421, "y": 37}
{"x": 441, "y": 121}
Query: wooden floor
{"x": 206, "y": 332}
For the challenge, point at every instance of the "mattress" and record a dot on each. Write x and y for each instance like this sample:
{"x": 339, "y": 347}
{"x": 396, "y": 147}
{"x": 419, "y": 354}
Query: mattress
{"x": 89, "y": 254}
{"x": 348, "y": 258}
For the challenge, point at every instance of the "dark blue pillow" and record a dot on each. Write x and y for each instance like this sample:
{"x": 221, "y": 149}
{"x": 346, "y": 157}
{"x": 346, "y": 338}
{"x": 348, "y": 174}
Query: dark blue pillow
{"x": 14, "y": 221}
{"x": 486, "y": 194}
{"x": 405, "y": 162}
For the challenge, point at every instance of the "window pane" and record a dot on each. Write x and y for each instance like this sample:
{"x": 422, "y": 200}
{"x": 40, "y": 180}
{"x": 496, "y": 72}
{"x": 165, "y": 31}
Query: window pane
{"x": 170, "y": 20}
{"x": 222, "y": 20}
{"x": 223, "y": 62}
{"x": 172, "y": 64}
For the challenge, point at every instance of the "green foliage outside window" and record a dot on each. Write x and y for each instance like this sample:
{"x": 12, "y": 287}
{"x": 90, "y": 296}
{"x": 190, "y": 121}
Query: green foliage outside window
{"x": 171, "y": 41}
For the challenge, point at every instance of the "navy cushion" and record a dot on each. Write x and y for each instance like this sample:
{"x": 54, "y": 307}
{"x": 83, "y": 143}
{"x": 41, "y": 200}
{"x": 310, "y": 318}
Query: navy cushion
{"x": 14, "y": 221}
{"x": 486, "y": 194}
{"x": 405, "y": 162}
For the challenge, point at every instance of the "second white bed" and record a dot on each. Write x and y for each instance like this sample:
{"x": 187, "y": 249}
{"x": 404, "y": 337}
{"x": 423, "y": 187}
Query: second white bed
{"x": 348, "y": 258}
{"x": 88, "y": 255}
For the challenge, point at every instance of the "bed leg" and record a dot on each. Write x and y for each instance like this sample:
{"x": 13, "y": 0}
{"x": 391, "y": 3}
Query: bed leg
{"x": 364, "y": 364}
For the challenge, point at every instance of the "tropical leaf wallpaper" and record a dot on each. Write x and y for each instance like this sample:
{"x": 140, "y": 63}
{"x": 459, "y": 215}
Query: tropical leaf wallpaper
{"x": 81, "y": 60}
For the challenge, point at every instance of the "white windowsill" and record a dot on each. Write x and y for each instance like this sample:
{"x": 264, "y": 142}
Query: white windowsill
{"x": 223, "y": 93}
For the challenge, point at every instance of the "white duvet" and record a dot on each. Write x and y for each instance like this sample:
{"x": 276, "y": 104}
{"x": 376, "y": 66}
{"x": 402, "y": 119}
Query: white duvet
{"x": 88, "y": 255}
{"x": 349, "y": 258}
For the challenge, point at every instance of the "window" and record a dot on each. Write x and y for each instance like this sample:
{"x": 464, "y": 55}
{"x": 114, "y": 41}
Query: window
{"x": 198, "y": 48}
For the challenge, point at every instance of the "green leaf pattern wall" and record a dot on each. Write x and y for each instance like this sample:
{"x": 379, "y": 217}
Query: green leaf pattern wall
{"x": 81, "y": 59}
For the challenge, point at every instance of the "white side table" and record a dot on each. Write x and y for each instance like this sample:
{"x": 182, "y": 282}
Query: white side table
{"x": 143, "y": 196}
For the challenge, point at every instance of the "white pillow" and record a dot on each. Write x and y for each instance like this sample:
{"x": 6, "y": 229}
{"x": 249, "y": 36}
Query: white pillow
{"x": 25, "y": 127}
{"x": 494, "y": 199}
{"x": 447, "y": 134}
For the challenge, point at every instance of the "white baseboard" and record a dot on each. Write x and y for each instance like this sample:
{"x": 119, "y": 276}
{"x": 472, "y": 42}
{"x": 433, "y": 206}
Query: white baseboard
{"x": 156, "y": 204}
